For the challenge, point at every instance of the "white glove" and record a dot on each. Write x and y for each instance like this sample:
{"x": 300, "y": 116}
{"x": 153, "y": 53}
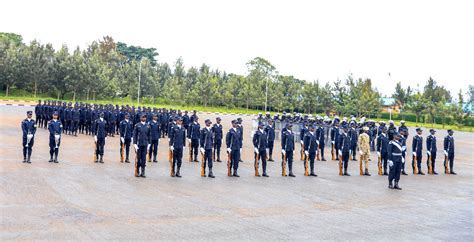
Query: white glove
{"x": 256, "y": 150}
{"x": 136, "y": 147}
{"x": 57, "y": 136}
{"x": 414, "y": 153}
{"x": 189, "y": 140}
{"x": 283, "y": 152}
{"x": 317, "y": 142}
{"x": 202, "y": 150}
{"x": 171, "y": 148}
{"x": 240, "y": 150}
{"x": 360, "y": 152}
{"x": 340, "y": 152}
{"x": 122, "y": 139}
{"x": 95, "y": 138}
{"x": 105, "y": 137}
{"x": 229, "y": 150}
{"x": 306, "y": 152}
{"x": 390, "y": 163}
{"x": 428, "y": 152}
{"x": 404, "y": 148}
{"x": 403, "y": 160}
{"x": 158, "y": 140}
{"x": 148, "y": 147}
{"x": 378, "y": 153}
{"x": 184, "y": 147}
{"x": 301, "y": 141}
{"x": 169, "y": 140}
{"x": 29, "y": 136}
{"x": 333, "y": 142}
{"x": 445, "y": 153}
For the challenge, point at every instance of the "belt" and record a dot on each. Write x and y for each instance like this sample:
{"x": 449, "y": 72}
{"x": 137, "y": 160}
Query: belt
{"x": 397, "y": 154}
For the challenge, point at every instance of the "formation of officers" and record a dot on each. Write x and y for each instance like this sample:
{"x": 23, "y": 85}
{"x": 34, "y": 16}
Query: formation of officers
{"x": 142, "y": 128}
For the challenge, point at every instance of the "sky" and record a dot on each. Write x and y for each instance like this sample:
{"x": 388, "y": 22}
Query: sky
{"x": 311, "y": 40}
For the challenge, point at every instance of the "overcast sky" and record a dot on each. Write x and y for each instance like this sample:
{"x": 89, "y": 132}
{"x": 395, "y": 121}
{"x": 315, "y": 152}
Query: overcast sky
{"x": 312, "y": 40}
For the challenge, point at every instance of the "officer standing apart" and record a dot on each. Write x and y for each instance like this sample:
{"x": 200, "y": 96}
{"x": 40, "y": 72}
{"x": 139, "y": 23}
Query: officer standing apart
{"x": 449, "y": 151}
{"x": 177, "y": 140}
{"x": 206, "y": 142}
{"x": 141, "y": 143}
{"x": 28, "y": 126}
{"x": 233, "y": 141}
{"x": 55, "y": 129}
{"x": 395, "y": 160}
{"x": 100, "y": 135}
{"x": 288, "y": 146}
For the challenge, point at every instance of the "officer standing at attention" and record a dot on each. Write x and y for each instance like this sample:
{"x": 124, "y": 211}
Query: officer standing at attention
{"x": 364, "y": 150}
{"x": 395, "y": 160}
{"x": 155, "y": 137}
{"x": 193, "y": 136}
{"x": 335, "y": 137}
{"x": 417, "y": 148}
{"x": 344, "y": 146}
{"x": 288, "y": 146}
{"x": 28, "y": 126}
{"x": 177, "y": 141}
{"x": 233, "y": 142}
{"x": 353, "y": 135}
{"x": 100, "y": 135}
{"x": 38, "y": 113}
{"x": 403, "y": 141}
{"x": 126, "y": 130}
{"x": 240, "y": 127}
{"x": 404, "y": 129}
{"x": 382, "y": 145}
{"x": 206, "y": 142}
{"x": 260, "y": 141}
{"x": 310, "y": 148}
{"x": 321, "y": 138}
{"x": 304, "y": 129}
{"x": 431, "y": 151}
{"x": 141, "y": 143}
{"x": 270, "y": 130}
{"x": 55, "y": 129}
{"x": 217, "y": 131}
{"x": 449, "y": 151}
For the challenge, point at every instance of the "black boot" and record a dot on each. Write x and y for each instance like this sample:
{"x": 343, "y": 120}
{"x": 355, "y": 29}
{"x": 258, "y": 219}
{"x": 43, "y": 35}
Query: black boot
{"x": 421, "y": 173}
{"x": 345, "y": 172}
{"x": 396, "y": 186}
{"x": 127, "y": 161}
{"x": 367, "y": 172}
{"x": 96, "y": 159}
{"x": 177, "y": 172}
{"x": 404, "y": 173}
{"x": 211, "y": 175}
{"x": 24, "y": 159}
{"x": 390, "y": 185}
{"x": 385, "y": 173}
{"x": 235, "y": 174}
{"x": 435, "y": 173}
{"x": 264, "y": 174}
{"x": 101, "y": 159}
{"x": 51, "y": 159}
{"x": 29, "y": 159}
{"x": 56, "y": 159}
{"x": 291, "y": 173}
{"x": 452, "y": 172}
{"x": 143, "y": 173}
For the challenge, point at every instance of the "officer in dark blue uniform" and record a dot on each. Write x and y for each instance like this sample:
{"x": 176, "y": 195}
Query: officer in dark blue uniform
{"x": 240, "y": 127}
{"x": 218, "y": 135}
{"x": 76, "y": 115}
{"x": 417, "y": 148}
{"x": 207, "y": 141}
{"x": 431, "y": 151}
{"x": 404, "y": 129}
{"x": 177, "y": 136}
{"x": 55, "y": 129}
{"x": 100, "y": 135}
{"x": 344, "y": 146}
{"x": 28, "y": 127}
{"x": 260, "y": 141}
{"x": 38, "y": 113}
{"x": 126, "y": 130}
{"x": 449, "y": 151}
{"x": 311, "y": 147}
{"x": 403, "y": 141}
{"x": 335, "y": 137}
{"x": 303, "y": 131}
{"x": 354, "y": 135}
{"x": 234, "y": 143}
{"x": 194, "y": 136}
{"x": 382, "y": 152}
{"x": 155, "y": 137}
{"x": 395, "y": 160}
{"x": 288, "y": 146}
{"x": 270, "y": 130}
{"x": 320, "y": 138}
{"x": 68, "y": 119}
{"x": 141, "y": 143}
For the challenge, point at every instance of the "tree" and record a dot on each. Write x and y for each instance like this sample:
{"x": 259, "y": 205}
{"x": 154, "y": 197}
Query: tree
{"x": 401, "y": 95}
{"x": 136, "y": 52}
{"x": 418, "y": 105}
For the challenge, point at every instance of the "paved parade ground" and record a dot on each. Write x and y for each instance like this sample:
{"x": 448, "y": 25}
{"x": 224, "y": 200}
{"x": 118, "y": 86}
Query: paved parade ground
{"x": 82, "y": 200}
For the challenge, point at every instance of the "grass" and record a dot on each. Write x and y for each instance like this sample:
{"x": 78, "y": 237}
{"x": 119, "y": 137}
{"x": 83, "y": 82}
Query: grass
{"x": 213, "y": 110}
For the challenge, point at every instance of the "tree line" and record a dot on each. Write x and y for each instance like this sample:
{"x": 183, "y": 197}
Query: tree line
{"x": 107, "y": 69}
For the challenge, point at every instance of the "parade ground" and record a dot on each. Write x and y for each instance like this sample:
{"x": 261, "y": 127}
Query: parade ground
{"x": 78, "y": 199}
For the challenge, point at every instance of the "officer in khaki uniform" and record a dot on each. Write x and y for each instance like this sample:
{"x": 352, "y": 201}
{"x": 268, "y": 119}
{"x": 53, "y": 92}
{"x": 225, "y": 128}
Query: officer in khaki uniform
{"x": 364, "y": 150}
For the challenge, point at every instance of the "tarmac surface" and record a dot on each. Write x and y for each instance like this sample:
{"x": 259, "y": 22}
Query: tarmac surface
{"x": 78, "y": 199}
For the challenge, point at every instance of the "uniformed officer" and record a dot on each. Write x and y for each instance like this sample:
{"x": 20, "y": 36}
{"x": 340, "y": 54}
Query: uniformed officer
{"x": 193, "y": 137}
{"x": 382, "y": 152}
{"x": 391, "y": 129}
{"x": 335, "y": 137}
{"x": 288, "y": 147}
{"x": 55, "y": 129}
{"x": 260, "y": 141}
{"x": 403, "y": 141}
{"x": 310, "y": 148}
{"x": 353, "y": 134}
{"x": 38, "y": 114}
{"x": 141, "y": 143}
{"x": 155, "y": 138}
{"x": 344, "y": 146}
{"x": 304, "y": 129}
{"x": 217, "y": 131}
{"x": 76, "y": 116}
{"x": 177, "y": 141}
{"x": 395, "y": 160}
{"x": 100, "y": 136}
{"x": 403, "y": 128}
{"x": 417, "y": 148}
{"x": 321, "y": 139}
{"x": 364, "y": 150}
{"x": 270, "y": 130}
{"x": 431, "y": 152}
{"x": 449, "y": 151}
{"x": 233, "y": 141}
{"x": 126, "y": 131}
{"x": 240, "y": 127}
{"x": 206, "y": 141}
{"x": 28, "y": 127}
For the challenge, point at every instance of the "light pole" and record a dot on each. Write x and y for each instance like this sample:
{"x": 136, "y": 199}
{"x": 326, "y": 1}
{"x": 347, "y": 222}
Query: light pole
{"x": 266, "y": 93}
{"x": 139, "y": 79}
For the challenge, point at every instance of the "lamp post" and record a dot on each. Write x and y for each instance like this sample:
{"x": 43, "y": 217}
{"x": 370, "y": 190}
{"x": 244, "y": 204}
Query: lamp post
{"x": 139, "y": 79}
{"x": 266, "y": 93}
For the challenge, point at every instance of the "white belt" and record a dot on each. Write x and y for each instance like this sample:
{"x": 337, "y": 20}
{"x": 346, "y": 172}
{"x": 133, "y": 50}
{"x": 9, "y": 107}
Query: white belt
{"x": 397, "y": 154}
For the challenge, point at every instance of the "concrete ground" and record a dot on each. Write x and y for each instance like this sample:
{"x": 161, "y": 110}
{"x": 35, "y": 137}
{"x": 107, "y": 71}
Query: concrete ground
{"x": 81, "y": 200}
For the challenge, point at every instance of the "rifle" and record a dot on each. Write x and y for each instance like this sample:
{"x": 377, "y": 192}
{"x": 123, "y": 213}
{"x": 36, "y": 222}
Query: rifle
{"x": 136, "y": 162}
{"x": 302, "y": 153}
{"x": 229, "y": 172}
{"x": 430, "y": 164}
{"x": 446, "y": 165}
{"x": 283, "y": 165}
{"x": 415, "y": 165}
{"x": 95, "y": 151}
{"x": 170, "y": 158}
{"x": 203, "y": 166}
{"x": 257, "y": 157}
{"x": 122, "y": 151}
{"x": 306, "y": 168}
{"x": 380, "y": 164}
{"x": 332, "y": 151}
{"x": 190, "y": 152}
{"x": 360, "y": 168}
{"x": 317, "y": 152}
{"x": 340, "y": 164}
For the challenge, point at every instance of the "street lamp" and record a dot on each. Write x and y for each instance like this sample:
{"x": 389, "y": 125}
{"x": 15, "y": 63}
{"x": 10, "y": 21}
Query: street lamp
{"x": 266, "y": 93}
{"x": 139, "y": 79}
